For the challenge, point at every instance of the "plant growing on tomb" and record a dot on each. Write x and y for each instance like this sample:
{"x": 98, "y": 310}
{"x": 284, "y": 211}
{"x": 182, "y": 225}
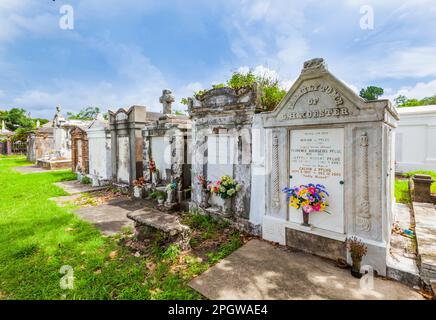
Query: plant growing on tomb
{"x": 226, "y": 187}
{"x": 310, "y": 198}
{"x": 86, "y": 180}
{"x": 357, "y": 251}
{"x": 160, "y": 196}
{"x": 271, "y": 92}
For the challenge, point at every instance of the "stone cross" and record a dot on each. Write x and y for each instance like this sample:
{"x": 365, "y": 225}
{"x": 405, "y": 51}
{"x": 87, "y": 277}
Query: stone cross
{"x": 38, "y": 124}
{"x": 167, "y": 99}
{"x": 3, "y": 126}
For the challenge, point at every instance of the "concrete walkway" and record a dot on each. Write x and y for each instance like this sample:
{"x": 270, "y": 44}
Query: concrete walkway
{"x": 259, "y": 270}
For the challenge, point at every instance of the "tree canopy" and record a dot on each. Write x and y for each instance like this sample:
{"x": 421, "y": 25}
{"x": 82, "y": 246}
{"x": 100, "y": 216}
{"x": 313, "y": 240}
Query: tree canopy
{"x": 403, "y": 101}
{"x": 20, "y": 122}
{"x": 18, "y": 118}
{"x": 88, "y": 113}
{"x": 371, "y": 93}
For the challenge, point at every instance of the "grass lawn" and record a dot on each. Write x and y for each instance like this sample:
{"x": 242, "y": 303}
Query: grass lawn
{"x": 37, "y": 238}
{"x": 402, "y": 185}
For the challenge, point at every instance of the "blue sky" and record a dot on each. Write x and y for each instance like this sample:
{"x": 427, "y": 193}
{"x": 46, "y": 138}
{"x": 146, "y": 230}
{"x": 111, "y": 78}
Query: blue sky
{"x": 124, "y": 52}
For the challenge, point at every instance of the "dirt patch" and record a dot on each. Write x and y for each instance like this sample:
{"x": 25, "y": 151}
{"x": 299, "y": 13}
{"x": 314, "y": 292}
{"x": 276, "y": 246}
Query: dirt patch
{"x": 98, "y": 198}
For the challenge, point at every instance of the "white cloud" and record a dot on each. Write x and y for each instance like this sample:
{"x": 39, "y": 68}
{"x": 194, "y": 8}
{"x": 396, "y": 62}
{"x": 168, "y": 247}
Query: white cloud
{"x": 405, "y": 63}
{"x": 419, "y": 91}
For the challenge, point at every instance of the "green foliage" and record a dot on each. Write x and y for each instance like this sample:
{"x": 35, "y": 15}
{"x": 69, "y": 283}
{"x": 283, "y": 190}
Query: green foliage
{"x": 271, "y": 92}
{"x": 218, "y": 86}
{"x": 371, "y": 93}
{"x": 427, "y": 172}
{"x": 184, "y": 101}
{"x": 240, "y": 80}
{"x": 179, "y": 112}
{"x": 37, "y": 237}
{"x": 161, "y": 195}
{"x": 88, "y": 113}
{"x": 86, "y": 180}
{"x": 20, "y": 134}
{"x": 17, "y": 118}
{"x": 402, "y": 185}
{"x": 226, "y": 248}
{"x": 403, "y": 101}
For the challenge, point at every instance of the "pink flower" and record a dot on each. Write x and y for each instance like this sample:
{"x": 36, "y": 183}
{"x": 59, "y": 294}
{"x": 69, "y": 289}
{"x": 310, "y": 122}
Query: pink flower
{"x": 316, "y": 207}
{"x": 308, "y": 208}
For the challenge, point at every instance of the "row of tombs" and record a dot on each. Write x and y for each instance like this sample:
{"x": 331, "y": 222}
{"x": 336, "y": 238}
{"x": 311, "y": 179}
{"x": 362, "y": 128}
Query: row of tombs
{"x": 233, "y": 159}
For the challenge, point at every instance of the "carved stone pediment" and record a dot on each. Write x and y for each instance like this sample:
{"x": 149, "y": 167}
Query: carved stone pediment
{"x": 318, "y": 97}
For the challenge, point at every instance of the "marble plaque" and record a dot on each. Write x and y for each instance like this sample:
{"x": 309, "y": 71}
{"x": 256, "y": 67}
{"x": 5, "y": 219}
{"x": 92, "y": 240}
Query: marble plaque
{"x": 317, "y": 156}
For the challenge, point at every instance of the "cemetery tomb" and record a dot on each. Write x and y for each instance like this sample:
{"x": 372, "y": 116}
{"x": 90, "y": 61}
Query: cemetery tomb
{"x": 99, "y": 140}
{"x": 127, "y": 143}
{"x": 322, "y": 133}
{"x": 166, "y": 152}
{"x": 79, "y": 150}
{"x": 222, "y": 127}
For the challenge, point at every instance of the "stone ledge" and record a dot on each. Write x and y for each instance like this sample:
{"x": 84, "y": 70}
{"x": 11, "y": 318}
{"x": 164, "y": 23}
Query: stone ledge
{"x": 169, "y": 224}
{"x": 425, "y": 218}
{"x": 314, "y": 244}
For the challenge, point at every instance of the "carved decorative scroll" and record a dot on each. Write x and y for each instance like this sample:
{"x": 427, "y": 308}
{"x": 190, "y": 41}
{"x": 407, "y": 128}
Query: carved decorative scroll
{"x": 275, "y": 177}
{"x": 363, "y": 219}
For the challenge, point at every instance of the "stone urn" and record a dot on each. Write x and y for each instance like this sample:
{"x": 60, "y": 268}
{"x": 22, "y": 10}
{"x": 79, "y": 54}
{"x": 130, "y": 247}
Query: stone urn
{"x": 227, "y": 206}
{"x": 171, "y": 196}
{"x": 205, "y": 196}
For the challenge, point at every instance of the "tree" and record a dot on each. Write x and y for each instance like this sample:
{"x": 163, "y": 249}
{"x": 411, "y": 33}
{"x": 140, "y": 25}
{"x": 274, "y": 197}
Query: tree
{"x": 17, "y": 118}
{"x": 371, "y": 93}
{"x": 88, "y": 113}
{"x": 403, "y": 101}
{"x": 400, "y": 100}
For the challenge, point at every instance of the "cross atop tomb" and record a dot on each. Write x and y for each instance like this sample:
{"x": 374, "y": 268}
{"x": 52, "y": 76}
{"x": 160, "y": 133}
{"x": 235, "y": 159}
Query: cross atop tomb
{"x": 167, "y": 99}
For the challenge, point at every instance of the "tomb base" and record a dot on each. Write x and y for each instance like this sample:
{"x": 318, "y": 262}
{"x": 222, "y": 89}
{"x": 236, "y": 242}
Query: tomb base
{"x": 54, "y": 164}
{"x": 323, "y": 243}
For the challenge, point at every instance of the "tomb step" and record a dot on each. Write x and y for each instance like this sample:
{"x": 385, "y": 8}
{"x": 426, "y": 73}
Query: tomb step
{"x": 401, "y": 257}
{"x": 169, "y": 224}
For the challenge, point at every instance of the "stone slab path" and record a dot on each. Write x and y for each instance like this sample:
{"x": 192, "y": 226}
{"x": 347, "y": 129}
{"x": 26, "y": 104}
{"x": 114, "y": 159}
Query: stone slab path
{"x": 259, "y": 270}
{"x": 111, "y": 218}
{"x": 402, "y": 257}
{"x": 75, "y": 187}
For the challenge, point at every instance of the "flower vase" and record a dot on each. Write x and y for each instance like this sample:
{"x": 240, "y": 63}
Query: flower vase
{"x": 306, "y": 218}
{"x": 227, "y": 206}
{"x": 355, "y": 268}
